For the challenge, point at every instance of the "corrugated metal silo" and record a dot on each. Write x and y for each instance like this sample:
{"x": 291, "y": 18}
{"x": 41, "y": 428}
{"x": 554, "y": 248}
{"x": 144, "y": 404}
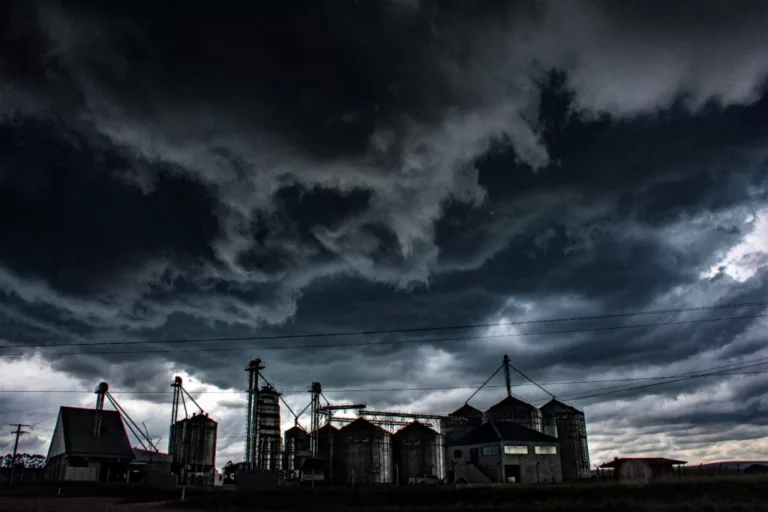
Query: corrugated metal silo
{"x": 325, "y": 447}
{"x": 194, "y": 449}
{"x": 418, "y": 451}
{"x": 571, "y": 428}
{"x": 514, "y": 410}
{"x": 296, "y": 440}
{"x": 452, "y": 429}
{"x": 269, "y": 443}
{"x": 362, "y": 454}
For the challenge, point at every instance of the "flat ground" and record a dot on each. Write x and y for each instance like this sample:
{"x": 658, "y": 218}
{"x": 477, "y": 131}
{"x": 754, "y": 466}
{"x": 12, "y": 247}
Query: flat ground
{"x": 702, "y": 494}
{"x": 80, "y": 504}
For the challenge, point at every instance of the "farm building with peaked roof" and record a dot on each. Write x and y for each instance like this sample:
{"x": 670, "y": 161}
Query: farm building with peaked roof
{"x": 88, "y": 444}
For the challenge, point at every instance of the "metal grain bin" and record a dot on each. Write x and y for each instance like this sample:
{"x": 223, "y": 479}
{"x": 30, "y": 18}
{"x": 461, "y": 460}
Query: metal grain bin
{"x": 418, "y": 451}
{"x": 571, "y": 429}
{"x": 296, "y": 440}
{"x": 269, "y": 443}
{"x": 325, "y": 448}
{"x": 460, "y": 422}
{"x": 514, "y": 410}
{"x": 362, "y": 454}
{"x": 194, "y": 449}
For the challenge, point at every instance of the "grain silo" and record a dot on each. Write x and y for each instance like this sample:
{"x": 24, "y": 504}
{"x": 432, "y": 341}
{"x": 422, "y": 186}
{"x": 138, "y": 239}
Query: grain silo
{"x": 269, "y": 444}
{"x": 418, "y": 451}
{"x": 325, "y": 449}
{"x": 460, "y": 422}
{"x": 194, "y": 449}
{"x": 514, "y": 410}
{"x": 362, "y": 454}
{"x": 571, "y": 431}
{"x": 295, "y": 442}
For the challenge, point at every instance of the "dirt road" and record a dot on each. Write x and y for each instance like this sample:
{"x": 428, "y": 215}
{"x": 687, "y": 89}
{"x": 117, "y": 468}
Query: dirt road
{"x": 55, "y": 504}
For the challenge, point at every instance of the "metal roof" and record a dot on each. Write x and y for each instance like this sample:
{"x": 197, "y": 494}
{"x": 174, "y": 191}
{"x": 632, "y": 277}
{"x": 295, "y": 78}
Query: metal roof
{"x": 324, "y": 429}
{"x": 73, "y": 435}
{"x": 151, "y": 456}
{"x": 467, "y": 411}
{"x": 495, "y": 431}
{"x": 198, "y": 418}
{"x": 510, "y": 401}
{"x": 557, "y": 404}
{"x": 416, "y": 429}
{"x": 361, "y": 426}
{"x": 268, "y": 390}
{"x": 651, "y": 461}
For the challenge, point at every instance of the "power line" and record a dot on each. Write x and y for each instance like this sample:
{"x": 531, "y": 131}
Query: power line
{"x": 721, "y": 369}
{"x": 373, "y": 343}
{"x": 428, "y": 388}
{"x": 395, "y": 331}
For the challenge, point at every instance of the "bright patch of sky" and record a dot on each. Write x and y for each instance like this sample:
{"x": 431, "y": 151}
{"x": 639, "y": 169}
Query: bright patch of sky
{"x": 745, "y": 259}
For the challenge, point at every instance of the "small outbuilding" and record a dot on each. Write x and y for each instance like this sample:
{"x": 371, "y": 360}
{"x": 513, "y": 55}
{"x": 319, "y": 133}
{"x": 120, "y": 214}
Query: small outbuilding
{"x": 89, "y": 444}
{"x": 501, "y": 451}
{"x": 642, "y": 468}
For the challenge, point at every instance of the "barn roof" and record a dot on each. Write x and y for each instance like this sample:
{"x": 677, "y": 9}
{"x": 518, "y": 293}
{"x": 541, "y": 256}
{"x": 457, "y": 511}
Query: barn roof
{"x": 73, "y": 435}
{"x": 495, "y": 431}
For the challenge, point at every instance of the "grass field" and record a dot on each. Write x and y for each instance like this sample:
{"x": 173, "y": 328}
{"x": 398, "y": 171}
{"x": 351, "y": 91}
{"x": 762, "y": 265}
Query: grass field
{"x": 702, "y": 494}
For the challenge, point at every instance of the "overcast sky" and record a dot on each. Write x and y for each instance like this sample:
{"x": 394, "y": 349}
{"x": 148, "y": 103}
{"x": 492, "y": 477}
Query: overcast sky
{"x": 209, "y": 170}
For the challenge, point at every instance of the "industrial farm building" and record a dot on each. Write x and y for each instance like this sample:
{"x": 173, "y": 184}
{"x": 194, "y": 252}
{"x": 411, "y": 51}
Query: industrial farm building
{"x": 500, "y": 451}
{"x": 511, "y": 441}
{"x": 89, "y": 444}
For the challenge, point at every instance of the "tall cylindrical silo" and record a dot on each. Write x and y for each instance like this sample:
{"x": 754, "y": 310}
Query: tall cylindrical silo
{"x": 418, "y": 451}
{"x": 194, "y": 450}
{"x": 362, "y": 454}
{"x": 571, "y": 428}
{"x": 460, "y": 422}
{"x": 296, "y": 440}
{"x": 269, "y": 442}
{"x": 514, "y": 410}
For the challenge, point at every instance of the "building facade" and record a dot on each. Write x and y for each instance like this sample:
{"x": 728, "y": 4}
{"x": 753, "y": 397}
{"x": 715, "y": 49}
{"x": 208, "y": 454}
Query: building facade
{"x": 89, "y": 444}
{"x": 504, "y": 452}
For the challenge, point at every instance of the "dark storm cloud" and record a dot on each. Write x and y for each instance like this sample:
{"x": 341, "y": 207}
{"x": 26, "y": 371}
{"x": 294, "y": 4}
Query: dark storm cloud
{"x": 236, "y": 134}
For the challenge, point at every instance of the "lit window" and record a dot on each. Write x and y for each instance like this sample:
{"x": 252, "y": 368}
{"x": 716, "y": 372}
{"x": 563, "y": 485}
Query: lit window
{"x": 546, "y": 450}
{"x": 515, "y": 450}
{"x": 490, "y": 450}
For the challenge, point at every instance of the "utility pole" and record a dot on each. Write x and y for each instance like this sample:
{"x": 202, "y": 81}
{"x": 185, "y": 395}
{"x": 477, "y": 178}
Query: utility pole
{"x": 18, "y": 433}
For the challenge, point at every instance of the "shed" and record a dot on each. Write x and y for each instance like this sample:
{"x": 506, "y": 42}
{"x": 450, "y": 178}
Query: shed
{"x": 79, "y": 452}
{"x": 642, "y": 468}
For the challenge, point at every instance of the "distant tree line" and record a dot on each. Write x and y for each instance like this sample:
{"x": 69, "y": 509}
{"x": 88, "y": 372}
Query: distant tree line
{"x": 23, "y": 460}
{"x": 756, "y": 469}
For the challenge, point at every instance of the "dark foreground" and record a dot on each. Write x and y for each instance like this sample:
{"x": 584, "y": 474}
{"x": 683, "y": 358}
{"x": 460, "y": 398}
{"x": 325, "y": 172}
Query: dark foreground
{"x": 712, "y": 494}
